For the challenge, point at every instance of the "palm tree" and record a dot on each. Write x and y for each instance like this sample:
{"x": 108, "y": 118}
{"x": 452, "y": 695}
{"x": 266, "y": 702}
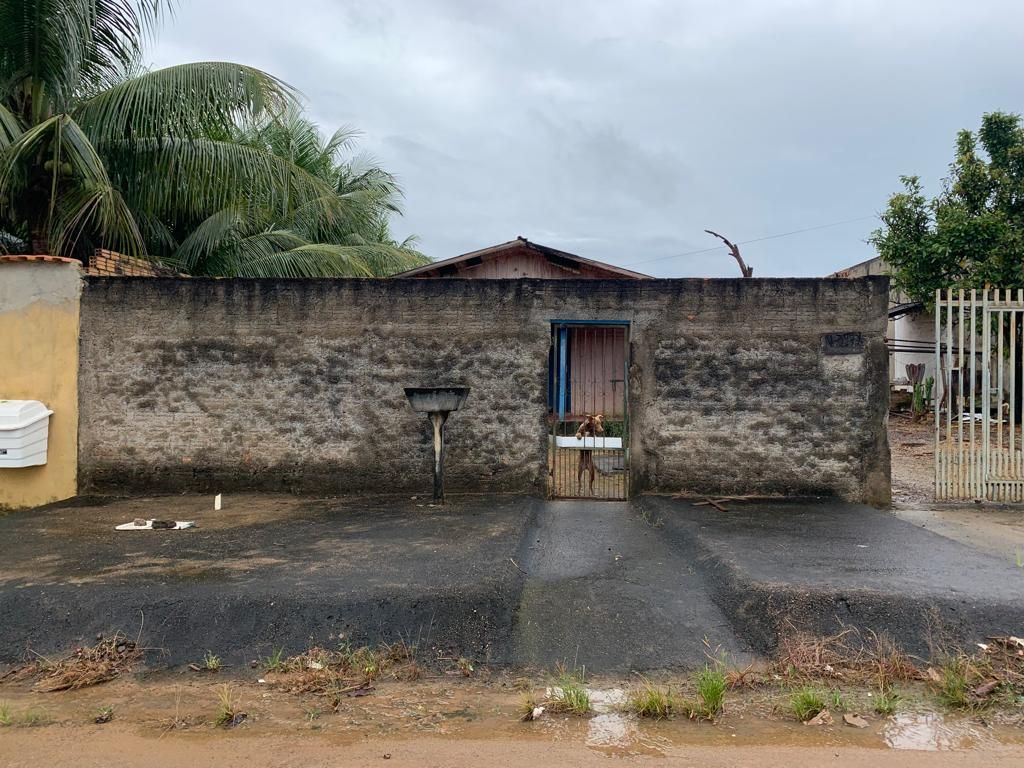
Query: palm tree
{"x": 96, "y": 151}
{"x": 269, "y": 231}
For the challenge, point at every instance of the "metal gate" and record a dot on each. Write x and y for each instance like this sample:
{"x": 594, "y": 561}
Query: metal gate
{"x": 978, "y": 341}
{"x": 588, "y": 396}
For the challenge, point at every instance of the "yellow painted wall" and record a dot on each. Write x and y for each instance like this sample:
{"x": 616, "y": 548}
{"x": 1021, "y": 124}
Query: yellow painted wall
{"x": 39, "y": 311}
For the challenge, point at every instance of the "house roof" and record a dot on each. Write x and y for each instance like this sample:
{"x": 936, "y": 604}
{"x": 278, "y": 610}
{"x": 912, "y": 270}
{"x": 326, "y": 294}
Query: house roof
{"x": 561, "y": 258}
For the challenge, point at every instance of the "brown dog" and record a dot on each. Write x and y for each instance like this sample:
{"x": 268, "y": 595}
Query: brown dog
{"x": 592, "y": 426}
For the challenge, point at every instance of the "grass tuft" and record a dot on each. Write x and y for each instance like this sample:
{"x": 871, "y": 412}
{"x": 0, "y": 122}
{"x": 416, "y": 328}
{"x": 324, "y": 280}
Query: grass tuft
{"x": 275, "y": 661}
{"x": 211, "y": 662}
{"x": 651, "y": 701}
{"x": 836, "y": 701}
{"x": 887, "y": 702}
{"x": 570, "y": 696}
{"x": 806, "y": 703}
{"x": 953, "y": 687}
{"x": 6, "y": 716}
{"x": 35, "y": 717}
{"x": 226, "y": 707}
{"x": 711, "y": 685}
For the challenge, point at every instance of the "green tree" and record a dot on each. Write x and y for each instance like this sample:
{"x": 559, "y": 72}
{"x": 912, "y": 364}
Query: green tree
{"x": 97, "y": 151}
{"x": 265, "y": 232}
{"x": 972, "y": 233}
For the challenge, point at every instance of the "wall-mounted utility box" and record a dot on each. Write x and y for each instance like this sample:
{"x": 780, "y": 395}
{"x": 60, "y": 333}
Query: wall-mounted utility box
{"x": 24, "y": 431}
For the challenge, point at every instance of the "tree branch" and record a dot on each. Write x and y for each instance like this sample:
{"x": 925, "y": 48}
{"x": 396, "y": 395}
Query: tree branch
{"x": 735, "y": 251}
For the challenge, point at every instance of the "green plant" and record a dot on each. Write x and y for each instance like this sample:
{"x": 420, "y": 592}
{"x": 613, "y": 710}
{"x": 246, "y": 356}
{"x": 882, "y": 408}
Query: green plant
{"x": 570, "y": 695}
{"x": 465, "y": 666}
{"x": 953, "y": 688}
{"x": 711, "y": 685}
{"x": 836, "y": 701}
{"x": 6, "y": 717}
{"x": 226, "y": 706}
{"x": 313, "y": 714}
{"x": 922, "y": 396}
{"x": 35, "y": 717}
{"x": 211, "y": 662}
{"x": 806, "y": 703}
{"x": 105, "y": 715}
{"x": 275, "y": 661}
{"x": 651, "y": 701}
{"x": 366, "y": 661}
{"x": 886, "y": 702}
{"x": 209, "y": 166}
{"x": 970, "y": 234}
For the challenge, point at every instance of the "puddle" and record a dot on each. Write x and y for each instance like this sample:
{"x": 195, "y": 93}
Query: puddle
{"x": 612, "y": 732}
{"x": 931, "y": 732}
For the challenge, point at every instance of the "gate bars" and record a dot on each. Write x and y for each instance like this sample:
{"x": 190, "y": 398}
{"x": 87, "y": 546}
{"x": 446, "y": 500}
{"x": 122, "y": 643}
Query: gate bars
{"x": 589, "y": 377}
{"x": 977, "y": 438}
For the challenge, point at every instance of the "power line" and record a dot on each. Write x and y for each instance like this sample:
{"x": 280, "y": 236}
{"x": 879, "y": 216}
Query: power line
{"x": 747, "y": 242}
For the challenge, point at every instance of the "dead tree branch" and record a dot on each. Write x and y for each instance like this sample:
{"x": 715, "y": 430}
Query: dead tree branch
{"x": 735, "y": 251}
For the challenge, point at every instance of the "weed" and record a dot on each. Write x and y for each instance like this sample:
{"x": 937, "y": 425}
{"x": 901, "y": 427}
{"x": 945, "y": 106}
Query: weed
{"x": 953, "y": 689}
{"x": 806, "y": 703}
{"x": 649, "y": 519}
{"x": 105, "y": 715}
{"x": 35, "y": 717}
{"x": 850, "y": 655}
{"x": 651, "y": 701}
{"x": 886, "y": 702}
{"x": 711, "y": 687}
{"x": 6, "y": 717}
{"x": 211, "y": 662}
{"x": 465, "y": 666}
{"x": 836, "y": 701}
{"x": 226, "y": 706}
{"x": 366, "y": 661}
{"x": 570, "y": 695}
{"x": 275, "y": 661}
{"x": 527, "y": 707}
{"x": 313, "y": 714}
{"x": 89, "y": 666}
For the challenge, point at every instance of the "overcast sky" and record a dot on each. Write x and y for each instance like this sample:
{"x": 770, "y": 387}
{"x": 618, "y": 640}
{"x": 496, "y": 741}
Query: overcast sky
{"x": 621, "y": 130}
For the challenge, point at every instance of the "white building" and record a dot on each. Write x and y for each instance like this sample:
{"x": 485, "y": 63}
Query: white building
{"x": 911, "y": 332}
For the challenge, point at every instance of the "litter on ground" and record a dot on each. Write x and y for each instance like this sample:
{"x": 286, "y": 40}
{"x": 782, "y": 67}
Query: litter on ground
{"x": 140, "y": 524}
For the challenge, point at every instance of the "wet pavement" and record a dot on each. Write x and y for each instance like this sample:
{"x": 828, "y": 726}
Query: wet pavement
{"x": 821, "y": 565}
{"x": 503, "y": 580}
{"x": 606, "y": 591}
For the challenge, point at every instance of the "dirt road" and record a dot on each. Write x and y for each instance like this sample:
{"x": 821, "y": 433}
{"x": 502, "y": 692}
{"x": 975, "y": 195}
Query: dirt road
{"x": 84, "y": 747}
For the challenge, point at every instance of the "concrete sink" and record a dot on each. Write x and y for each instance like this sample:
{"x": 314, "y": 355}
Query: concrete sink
{"x": 437, "y": 403}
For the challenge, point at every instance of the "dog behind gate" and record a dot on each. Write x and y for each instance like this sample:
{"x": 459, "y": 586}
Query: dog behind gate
{"x": 592, "y": 426}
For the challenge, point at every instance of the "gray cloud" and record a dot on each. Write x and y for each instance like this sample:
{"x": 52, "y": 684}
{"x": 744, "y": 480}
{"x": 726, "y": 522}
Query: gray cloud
{"x": 621, "y": 130}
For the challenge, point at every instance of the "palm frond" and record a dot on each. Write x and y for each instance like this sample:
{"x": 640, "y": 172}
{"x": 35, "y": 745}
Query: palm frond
{"x": 190, "y": 178}
{"x": 10, "y": 127}
{"x": 83, "y": 196}
{"x": 48, "y": 48}
{"x": 308, "y": 260}
{"x": 214, "y": 233}
{"x": 182, "y": 102}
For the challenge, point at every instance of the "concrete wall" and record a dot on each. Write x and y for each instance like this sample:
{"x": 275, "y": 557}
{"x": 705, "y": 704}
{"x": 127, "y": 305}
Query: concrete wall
{"x": 39, "y": 315}
{"x": 297, "y": 384}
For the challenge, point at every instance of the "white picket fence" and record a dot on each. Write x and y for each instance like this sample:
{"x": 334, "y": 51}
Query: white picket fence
{"x": 977, "y": 438}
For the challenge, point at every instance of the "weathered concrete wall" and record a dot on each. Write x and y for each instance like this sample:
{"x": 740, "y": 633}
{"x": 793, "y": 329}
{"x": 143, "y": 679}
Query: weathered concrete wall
{"x": 277, "y": 384}
{"x": 39, "y": 314}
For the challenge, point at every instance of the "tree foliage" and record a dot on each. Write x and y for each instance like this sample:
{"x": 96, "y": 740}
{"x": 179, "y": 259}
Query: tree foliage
{"x": 207, "y": 166}
{"x": 971, "y": 235}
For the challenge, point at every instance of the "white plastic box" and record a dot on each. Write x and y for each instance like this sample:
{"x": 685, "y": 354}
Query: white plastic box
{"x": 24, "y": 433}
